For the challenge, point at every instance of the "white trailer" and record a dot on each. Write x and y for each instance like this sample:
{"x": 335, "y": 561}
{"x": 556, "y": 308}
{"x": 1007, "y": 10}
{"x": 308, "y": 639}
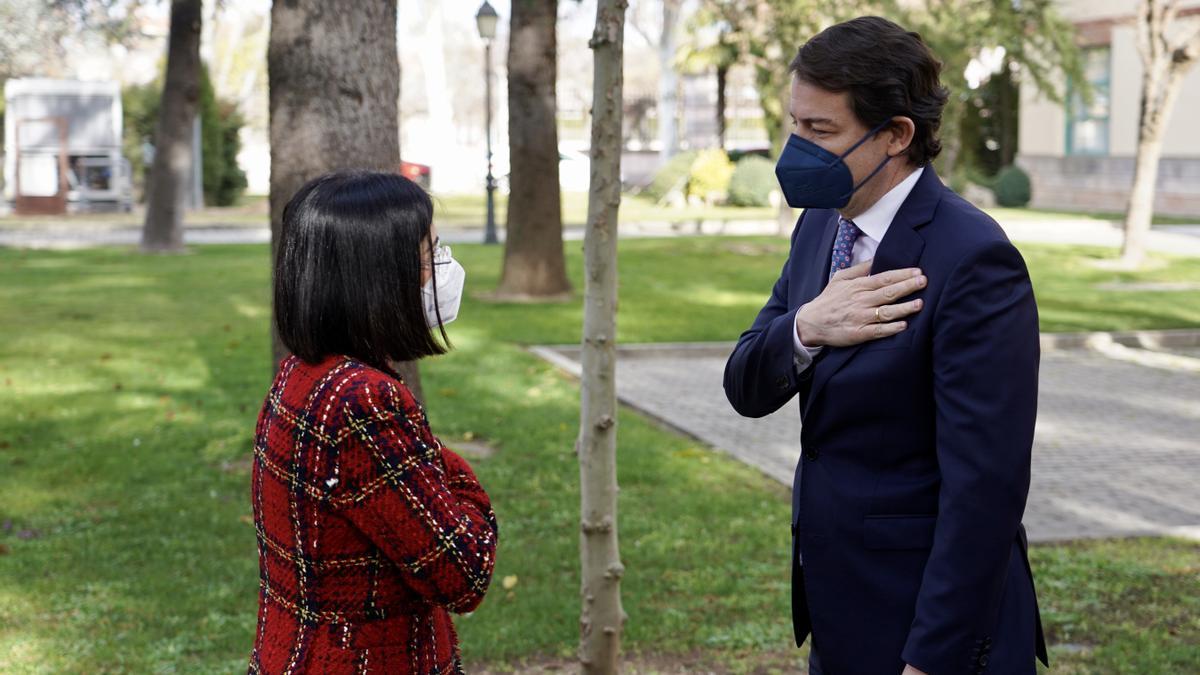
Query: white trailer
{"x": 62, "y": 141}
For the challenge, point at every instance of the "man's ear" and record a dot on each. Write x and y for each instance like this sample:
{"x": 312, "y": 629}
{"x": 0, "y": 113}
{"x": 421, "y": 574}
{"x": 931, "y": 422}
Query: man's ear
{"x": 900, "y": 134}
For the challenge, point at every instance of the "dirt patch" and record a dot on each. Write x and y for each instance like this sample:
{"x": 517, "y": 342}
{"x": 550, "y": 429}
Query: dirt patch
{"x": 473, "y": 449}
{"x": 789, "y": 662}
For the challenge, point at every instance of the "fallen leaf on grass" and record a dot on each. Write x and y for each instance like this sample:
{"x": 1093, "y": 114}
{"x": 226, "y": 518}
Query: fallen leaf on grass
{"x": 509, "y": 582}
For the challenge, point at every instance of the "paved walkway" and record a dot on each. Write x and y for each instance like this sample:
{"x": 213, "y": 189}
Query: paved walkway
{"x": 1117, "y": 448}
{"x": 70, "y": 234}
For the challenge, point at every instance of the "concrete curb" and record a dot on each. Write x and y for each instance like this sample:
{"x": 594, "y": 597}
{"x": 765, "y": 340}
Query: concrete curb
{"x": 566, "y": 356}
{"x": 1186, "y": 338}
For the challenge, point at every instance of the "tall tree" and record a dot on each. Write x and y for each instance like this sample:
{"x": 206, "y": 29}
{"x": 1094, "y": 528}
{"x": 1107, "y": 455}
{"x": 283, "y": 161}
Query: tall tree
{"x": 668, "y": 81}
{"x": 171, "y": 176}
{"x": 662, "y": 34}
{"x": 1039, "y": 44}
{"x": 766, "y": 35}
{"x": 602, "y": 618}
{"x": 711, "y": 47}
{"x": 334, "y": 77}
{"x": 31, "y": 39}
{"x": 1168, "y": 52}
{"x": 534, "y": 265}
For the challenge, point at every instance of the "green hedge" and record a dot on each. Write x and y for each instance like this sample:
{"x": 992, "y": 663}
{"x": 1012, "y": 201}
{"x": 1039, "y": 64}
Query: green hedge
{"x": 672, "y": 175}
{"x": 223, "y": 180}
{"x": 710, "y": 176}
{"x": 1012, "y": 187}
{"x": 753, "y": 182}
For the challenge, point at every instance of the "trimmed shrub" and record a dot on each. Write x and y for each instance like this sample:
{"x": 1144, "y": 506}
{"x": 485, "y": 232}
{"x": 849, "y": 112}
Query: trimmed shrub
{"x": 671, "y": 176}
{"x": 223, "y": 180}
{"x": 1012, "y": 187}
{"x": 710, "y": 176}
{"x": 753, "y": 182}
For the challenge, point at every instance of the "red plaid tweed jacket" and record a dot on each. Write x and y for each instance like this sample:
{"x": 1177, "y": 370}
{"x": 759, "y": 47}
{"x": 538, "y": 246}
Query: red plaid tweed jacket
{"x": 369, "y": 530}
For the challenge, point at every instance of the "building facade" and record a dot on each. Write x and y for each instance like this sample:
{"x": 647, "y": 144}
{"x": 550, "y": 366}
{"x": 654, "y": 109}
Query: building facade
{"x": 1081, "y": 156}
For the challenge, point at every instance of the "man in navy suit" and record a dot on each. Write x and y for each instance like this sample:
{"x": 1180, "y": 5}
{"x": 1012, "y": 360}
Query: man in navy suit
{"x": 905, "y": 323}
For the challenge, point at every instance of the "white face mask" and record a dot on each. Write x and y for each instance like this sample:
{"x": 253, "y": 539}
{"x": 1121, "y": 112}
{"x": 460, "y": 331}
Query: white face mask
{"x": 451, "y": 277}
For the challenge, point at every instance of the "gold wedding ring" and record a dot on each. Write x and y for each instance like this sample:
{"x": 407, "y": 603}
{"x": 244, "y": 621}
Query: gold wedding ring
{"x": 878, "y": 319}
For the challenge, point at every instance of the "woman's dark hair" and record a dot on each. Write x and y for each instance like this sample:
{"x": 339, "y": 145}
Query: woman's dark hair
{"x": 887, "y": 72}
{"x": 348, "y": 270}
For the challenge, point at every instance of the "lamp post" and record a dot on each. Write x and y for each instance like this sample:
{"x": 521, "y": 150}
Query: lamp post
{"x": 486, "y": 19}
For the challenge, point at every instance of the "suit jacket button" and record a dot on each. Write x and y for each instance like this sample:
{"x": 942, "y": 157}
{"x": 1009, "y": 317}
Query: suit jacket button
{"x": 781, "y": 382}
{"x": 811, "y": 454}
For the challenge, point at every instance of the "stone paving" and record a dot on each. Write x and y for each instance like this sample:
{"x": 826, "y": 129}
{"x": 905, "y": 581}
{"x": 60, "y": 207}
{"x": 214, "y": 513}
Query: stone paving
{"x": 1117, "y": 448}
{"x": 79, "y": 232}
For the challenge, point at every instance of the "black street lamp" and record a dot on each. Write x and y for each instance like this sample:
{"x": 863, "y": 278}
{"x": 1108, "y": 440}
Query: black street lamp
{"x": 486, "y": 18}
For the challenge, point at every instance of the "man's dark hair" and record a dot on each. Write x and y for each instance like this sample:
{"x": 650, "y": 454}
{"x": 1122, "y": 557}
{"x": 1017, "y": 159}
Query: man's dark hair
{"x": 348, "y": 270}
{"x": 886, "y": 70}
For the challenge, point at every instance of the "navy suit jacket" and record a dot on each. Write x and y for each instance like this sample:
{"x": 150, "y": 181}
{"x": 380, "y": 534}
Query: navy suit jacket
{"x": 915, "y": 450}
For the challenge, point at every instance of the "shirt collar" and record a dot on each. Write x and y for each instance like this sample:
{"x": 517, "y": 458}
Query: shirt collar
{"x": 874, "y": 222}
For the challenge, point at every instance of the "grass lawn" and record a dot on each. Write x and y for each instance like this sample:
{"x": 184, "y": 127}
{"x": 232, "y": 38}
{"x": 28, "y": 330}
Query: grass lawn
{"x": 469, "y": 210}
{"x": 1001, "y": 214}
{"x": 130, "y": 386}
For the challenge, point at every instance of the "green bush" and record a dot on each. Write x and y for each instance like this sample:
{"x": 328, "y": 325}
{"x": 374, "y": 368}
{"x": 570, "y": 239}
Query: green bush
{"x": 753, "y": 182}
{"x": 1012, "y": 187}
{"x": 672, "y": 175}
{"x": 710, "y": 176}
{"x": 223, "y": 180}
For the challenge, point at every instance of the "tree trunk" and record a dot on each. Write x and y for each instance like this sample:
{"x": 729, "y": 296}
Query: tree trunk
{"x": 602, "y": 619}
{"x": 1140, "y": 211}
{"x": 722, "y": 80}
{"x": 1158, "y": 98}
{"x": 534, "y": 265}
{"x": 951, "y": 134}
{"x": 171, "y": 176}
{"x": 668, "y": 84}
{"x": 438, "y": 93}
{"x": 785, "y": 217}
{"x": 1164, "y": 65}
{"x": 334, "y": 80}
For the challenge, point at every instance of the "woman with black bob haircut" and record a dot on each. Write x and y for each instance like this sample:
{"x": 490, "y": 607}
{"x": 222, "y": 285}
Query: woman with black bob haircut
{"x": 370, "y": 531}
{"x": 352, "y": 261}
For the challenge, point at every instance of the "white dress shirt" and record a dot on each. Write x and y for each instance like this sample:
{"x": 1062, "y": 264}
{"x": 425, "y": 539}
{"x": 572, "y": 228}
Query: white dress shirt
{"x": 874, "y": 224}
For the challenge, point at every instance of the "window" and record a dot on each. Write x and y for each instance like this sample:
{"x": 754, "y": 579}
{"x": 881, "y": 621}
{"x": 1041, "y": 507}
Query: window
{"x": 1087, "y": 125}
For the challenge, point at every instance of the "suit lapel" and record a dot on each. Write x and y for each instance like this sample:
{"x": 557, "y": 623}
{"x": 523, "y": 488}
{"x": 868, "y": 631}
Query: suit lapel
{"x": 816, "y": 273}
{"x": 901, "y": 247}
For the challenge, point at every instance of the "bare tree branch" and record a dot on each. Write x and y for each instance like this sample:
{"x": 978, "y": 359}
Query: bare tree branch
{"x": 1143, "y": 24}
{"x": 1170, "y": 12}
{"x": 1188, "y": 49}
{"x": 635, "y": 20}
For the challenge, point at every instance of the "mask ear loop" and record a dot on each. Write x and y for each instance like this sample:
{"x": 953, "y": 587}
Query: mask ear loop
{"x": 864, "y": 139}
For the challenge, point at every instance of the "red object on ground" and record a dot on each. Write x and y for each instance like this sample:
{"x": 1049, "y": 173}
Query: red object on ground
{"x": 417, "y": 173}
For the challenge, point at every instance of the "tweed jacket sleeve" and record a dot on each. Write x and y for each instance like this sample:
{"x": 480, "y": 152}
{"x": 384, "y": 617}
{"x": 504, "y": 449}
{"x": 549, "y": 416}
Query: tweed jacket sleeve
{"x": 417, "y": 501}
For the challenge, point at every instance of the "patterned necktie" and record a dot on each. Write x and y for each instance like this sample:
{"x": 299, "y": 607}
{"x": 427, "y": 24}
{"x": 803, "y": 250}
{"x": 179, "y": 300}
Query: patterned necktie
{"x": 843, "y": 246}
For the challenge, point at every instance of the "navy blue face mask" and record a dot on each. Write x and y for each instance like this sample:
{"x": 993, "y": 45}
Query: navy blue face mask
{"x": 814, "y": 178}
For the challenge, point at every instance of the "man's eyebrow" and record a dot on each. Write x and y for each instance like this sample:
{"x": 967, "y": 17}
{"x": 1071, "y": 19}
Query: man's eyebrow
{"x": 819, "y": 120}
